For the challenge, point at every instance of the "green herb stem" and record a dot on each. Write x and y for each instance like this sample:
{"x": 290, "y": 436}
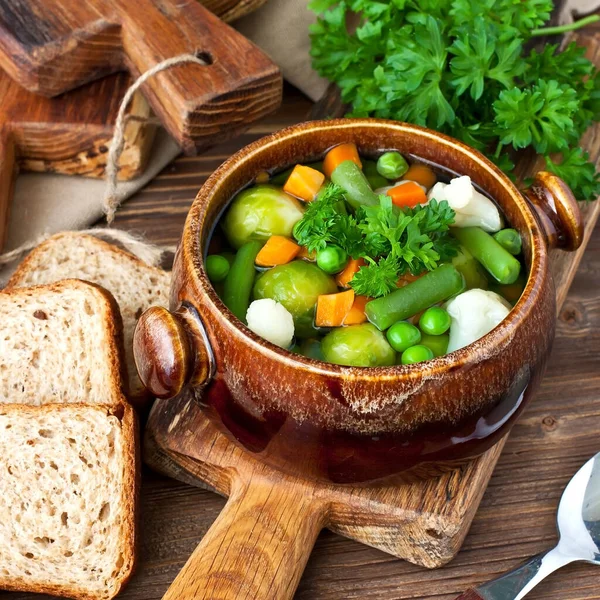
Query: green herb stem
{"x": 568, "y": 27}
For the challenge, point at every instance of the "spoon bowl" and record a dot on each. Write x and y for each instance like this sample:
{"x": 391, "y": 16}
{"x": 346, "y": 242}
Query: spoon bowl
{"x": 578, "y": 523}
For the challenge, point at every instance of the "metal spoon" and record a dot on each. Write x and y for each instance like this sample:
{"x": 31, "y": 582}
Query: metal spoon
{"x": 578, "y": 522}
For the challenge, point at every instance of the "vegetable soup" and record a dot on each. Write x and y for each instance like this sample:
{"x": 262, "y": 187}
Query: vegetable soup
{"x": 366, "y": 263}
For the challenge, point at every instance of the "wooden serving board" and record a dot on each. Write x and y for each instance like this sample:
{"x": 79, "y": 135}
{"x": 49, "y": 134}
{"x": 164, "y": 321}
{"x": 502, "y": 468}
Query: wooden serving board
{"x": 69, "y": 134}
{"x": 259, "y": 545}
{"x": 52, "y": 46}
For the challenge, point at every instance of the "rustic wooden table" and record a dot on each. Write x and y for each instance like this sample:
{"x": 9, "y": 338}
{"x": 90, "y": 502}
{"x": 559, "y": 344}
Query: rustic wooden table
{"x": 557, "y": 433}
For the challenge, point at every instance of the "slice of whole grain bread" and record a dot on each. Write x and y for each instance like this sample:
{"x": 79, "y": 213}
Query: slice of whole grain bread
{"x": 68, "y": 493}
{"x": 60, "y": 343}
{"x": 135, "y": 285}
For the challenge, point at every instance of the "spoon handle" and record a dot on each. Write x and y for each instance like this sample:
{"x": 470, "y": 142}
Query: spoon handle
{"x": 514, "y": 585}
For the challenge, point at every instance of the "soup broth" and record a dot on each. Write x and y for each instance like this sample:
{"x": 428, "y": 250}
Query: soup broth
{"x": 366, "y": 262}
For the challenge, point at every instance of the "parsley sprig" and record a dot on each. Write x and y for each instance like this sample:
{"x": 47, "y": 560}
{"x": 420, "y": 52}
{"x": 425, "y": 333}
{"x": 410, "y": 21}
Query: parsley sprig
{"x": 460, "y": 67}
{"x": 391, "y": 240}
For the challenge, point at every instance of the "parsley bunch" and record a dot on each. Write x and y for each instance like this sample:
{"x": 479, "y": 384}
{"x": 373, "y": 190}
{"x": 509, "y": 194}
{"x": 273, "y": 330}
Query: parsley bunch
{"x": 460, "y": 67}
{"x": 391, "y": 240}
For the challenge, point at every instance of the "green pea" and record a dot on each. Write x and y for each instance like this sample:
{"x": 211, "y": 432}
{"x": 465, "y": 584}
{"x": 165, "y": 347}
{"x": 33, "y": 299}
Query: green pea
{"x": 332, "y": 259}
{"x": 438, "y": 344}
{"x": 403, "y": 335}
{"x": 217, "y": 267}
{"x": 392, "y": 165}
{"x": 435, "y": 321}
{"x": 416, "y": 354}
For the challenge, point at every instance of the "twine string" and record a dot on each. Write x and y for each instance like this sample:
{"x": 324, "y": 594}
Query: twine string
{"x": 136, "y": 245}
{"x": 111, "y": 198}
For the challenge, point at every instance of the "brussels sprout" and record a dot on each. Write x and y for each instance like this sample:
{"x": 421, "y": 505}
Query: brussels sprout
{"x": 259, "y": 212}
{"x": 358, "y": 346}
{"x": 296, "y": 285}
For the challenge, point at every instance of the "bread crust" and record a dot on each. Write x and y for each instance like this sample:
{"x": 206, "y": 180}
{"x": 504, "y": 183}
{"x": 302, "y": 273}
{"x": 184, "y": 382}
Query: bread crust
{"x": 130, "y": 502}
{"x": 34, "y": 262}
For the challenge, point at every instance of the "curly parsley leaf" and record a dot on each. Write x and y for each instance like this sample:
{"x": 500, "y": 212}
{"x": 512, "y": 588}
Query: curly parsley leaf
{"x": 377, "y": 278}
{"x": 480, "y": 58}
{"x": 540, "y": 116}
{"x": 459, "y": 67}
{"x": 578, "y": 173}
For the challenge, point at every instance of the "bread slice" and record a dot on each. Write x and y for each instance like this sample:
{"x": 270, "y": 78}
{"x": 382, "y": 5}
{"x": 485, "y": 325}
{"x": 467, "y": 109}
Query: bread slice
{"x": 60, "y": 343}
{"x": 68, "y": 493}
{"x": 135, "y": 285}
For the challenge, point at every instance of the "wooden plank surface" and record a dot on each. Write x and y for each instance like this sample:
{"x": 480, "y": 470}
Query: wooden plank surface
{"x": 558, "y": 432}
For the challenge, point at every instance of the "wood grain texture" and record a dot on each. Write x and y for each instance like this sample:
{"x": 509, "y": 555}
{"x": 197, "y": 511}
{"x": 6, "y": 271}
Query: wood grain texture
{"x": 265, "y": 531}
{"x": 470, "y": 595}
{"x": 230, "y": 10}
{"x": 69, "y": 134}
{"x": 557, "y": 433}
{"x": 51, "y": 46}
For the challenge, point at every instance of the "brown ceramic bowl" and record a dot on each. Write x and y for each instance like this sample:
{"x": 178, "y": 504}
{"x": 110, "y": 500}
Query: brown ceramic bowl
{"x": 348, "y": 424}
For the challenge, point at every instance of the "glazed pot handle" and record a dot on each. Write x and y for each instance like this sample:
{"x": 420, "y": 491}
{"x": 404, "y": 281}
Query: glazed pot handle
{"x": 557, "y": 210}
{"x": 171, "y": 350}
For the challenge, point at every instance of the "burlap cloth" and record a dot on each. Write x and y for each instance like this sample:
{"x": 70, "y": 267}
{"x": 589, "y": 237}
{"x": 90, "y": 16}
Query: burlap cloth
{"x": 45, "y": 203}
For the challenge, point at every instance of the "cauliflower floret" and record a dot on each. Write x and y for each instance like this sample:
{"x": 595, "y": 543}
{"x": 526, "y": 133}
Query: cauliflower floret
{"x": 472, "y": 208}
{"x": 271, "y": 321}
{"x": 474, "y": 313}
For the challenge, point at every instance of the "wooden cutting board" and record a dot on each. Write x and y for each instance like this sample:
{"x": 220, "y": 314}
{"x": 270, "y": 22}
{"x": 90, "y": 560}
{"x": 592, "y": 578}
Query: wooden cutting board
{"x": 259, "y": 544}
{"x": 69, "y": 134}
{"x": 52, "y": 46}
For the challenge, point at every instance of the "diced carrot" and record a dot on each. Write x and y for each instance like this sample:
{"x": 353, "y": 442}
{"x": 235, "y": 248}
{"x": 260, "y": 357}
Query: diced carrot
{"x": 422, "y": 174}
{"x": 304, "y": 183}
{"x": 278, "y": 250}
{"x": 356, "y": 315}
{"x": 344, "y": 277}
{"x": 306, "y": 255}
{"x": 407, "y": 194}
{"x": 339, "y": 154}
{"x": 407, "y": 278}
{"x": 333, "y": 308}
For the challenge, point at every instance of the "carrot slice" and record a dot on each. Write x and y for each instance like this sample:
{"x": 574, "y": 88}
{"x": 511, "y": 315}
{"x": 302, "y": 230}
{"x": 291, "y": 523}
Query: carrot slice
{"x": 421, "y": 174}
{"x": 278, "y": 250}
{"x": 333, "y": 308}
{"x": 344, "y": 278}
{"x": 407, "y": 278}
{"x": 306, "y": 255}
{"x": 407, "y": 194}
{"x": 304, "y": 183}
{"x": 339, "y": 154}
{"x": 356, "y": 315}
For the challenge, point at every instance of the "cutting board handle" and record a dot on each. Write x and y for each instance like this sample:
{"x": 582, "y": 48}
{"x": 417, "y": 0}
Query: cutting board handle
{"x": 258, "y": 546}
{"x": 238, "y": 84}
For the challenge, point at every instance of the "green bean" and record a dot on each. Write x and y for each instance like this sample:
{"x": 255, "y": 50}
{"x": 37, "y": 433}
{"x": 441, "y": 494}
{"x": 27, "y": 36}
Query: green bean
{"x": 352, "y": 180}
{"x": 373, "y": 177}
{"x": 437, "y": 285}
{"x": 499, "y": 263}
{"x": 510, "y": 240}
{"x": 240, "y": 279}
